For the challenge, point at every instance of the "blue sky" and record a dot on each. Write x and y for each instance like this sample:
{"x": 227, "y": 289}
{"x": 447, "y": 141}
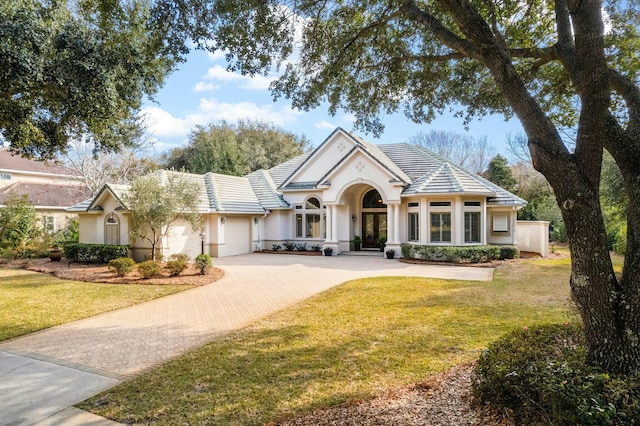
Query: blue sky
{"x": 202, "y": 91}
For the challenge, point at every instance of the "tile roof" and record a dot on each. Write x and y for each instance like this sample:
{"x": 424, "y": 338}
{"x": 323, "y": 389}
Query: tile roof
{"x": 234, "y": 194}
{"x": 434, "y": 175}
{"x": 218, "y": 193}
{"x": 266, "y": 190}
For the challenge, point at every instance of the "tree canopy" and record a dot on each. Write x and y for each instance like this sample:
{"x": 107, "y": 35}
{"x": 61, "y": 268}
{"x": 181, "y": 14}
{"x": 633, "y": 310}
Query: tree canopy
{"x": 73, "y": 69}
{"x": 235, "y": 149}
{"x": 550, "y": 64}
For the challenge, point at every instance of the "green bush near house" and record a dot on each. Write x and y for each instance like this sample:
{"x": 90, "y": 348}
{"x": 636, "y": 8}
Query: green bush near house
{"x": 540, "y": 373}
{"x": 149, "y": 269}
{"x": 203, "y": 263}
{"x": 177, "y": 264}
{"x": 94, "y": 253}
{"x": 122, "y": 265}
{"x": 456, "y": 254}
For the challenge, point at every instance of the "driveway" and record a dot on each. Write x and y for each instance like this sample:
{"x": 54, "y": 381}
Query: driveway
{"x": 105, "y": 349}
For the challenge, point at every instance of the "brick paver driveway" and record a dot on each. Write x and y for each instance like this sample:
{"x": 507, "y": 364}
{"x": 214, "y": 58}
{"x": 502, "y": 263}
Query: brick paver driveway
{"x": 127, "y": 341}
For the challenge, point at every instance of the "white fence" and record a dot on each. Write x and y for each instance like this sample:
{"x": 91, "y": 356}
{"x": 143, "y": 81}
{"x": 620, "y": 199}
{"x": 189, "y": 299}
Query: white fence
{"x": 533, "y": 236}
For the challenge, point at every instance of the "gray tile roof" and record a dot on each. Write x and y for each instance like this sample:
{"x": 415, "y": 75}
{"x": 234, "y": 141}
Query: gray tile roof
{"x": 433, "y": 175}
{"x": 234, "y": 194}
{"x": 282, "y": 171}
{"x": 266, "y": 190}
{"x": 218, "y": 193}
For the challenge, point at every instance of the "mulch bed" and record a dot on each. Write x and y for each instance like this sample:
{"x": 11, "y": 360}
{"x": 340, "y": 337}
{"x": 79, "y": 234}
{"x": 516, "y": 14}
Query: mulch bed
{"x": 297, "y": 253}
{"x": 100, "y": 273}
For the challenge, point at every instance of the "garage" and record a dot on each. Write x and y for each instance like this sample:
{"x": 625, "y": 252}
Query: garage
{"x": 237, "y": 236}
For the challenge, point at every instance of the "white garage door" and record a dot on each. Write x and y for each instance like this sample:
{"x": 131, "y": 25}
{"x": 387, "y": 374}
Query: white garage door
{"x": 237, "y": 236}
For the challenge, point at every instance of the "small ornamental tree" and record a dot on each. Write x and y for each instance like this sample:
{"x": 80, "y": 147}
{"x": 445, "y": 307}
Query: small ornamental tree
{"x": 159, "y": 200}
{"x": 18, "y": 225}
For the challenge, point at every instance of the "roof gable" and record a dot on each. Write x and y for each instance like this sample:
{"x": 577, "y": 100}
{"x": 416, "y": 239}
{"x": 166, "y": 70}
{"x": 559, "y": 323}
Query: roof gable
{"x": 331, "y": 153}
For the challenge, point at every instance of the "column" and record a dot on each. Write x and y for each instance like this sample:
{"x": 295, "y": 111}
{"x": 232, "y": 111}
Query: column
{"x": 334, "y": 223}
{"x": 396, "y": 223}
{"x": 329, "y": 224}
{"x": 390, "y": 224}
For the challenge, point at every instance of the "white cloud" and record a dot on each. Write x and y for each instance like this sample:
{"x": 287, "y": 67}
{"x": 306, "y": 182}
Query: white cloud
{"x": 212, "y": 110}
{"x": 322, "y": 125}
{"x": 161, "y": 124}
{"x": 258, "y": 82}
{"x": 201, "y": 86}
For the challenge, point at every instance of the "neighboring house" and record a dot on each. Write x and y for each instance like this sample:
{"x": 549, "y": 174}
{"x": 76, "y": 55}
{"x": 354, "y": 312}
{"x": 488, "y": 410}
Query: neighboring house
{"x": 50, "y": 187}
{"x": 346, "y": 187}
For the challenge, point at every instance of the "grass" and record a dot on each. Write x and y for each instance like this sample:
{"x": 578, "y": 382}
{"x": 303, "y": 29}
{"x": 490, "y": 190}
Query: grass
{"x": 354, "y": 341}
{"x": 32, "y": 301}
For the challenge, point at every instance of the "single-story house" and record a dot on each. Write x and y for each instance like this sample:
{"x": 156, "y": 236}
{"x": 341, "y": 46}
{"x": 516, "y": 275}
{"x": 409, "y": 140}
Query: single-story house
{"x": 346, "y": 187}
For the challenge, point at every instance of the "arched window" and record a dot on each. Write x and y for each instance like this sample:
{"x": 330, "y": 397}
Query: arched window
{"x": 309, "y": 219}
{"x": 112, "y": 229}
{"x": 373, "y": 200}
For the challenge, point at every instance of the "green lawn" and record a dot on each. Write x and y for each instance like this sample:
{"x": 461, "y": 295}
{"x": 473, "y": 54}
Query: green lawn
{"x": 31, "y": 301}
{"x": 354, "y": 341}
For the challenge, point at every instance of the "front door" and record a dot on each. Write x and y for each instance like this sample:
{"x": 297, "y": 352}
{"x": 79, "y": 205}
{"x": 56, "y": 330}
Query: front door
{"x": 374, "y": 227}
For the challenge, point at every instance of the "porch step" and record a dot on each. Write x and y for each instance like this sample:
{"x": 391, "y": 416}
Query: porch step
{"x": 372, "y": 253}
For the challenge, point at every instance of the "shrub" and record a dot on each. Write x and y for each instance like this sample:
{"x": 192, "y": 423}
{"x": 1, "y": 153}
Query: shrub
{"x": 122, "y": 265}
{"x": 540, "y": 372}
{"x": 177, "y": 264}
{"x": 149, "y": 269}
{"x": 316, "y": 248}
{"x": 94, "y": 253}
{"x": 473, "y": 254}
{"x": 276, "y": 247}
{"x": 203, "y": 263}
{"x": 288, "y": 246}
{"x": 301, "y": 247}
{"x": 509, "y": 252}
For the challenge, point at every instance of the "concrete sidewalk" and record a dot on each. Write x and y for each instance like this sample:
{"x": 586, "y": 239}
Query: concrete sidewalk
{"x": 107, "y": 348}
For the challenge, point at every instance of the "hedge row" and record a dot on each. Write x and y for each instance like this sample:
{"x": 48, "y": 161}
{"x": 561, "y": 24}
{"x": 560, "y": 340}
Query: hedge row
{"x": 455, "y": 254}
{"x": 94, "y": 253}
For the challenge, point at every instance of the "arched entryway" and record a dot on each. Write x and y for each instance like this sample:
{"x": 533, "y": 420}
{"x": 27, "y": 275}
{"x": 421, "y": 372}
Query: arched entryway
{"x": 374, "y": 219}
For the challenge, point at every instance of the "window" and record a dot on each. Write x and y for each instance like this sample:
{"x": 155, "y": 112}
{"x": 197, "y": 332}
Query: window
{"x": 111, "y": 229}
{"x": 472, "y": 227}
{"x": 414, "y": 204}
{"x": 501, "y": 222}
{"x": 440, "y": 204}
{"x": 440, "y": 227}
{"x": 373, "y": 200}
{"x": 50, "y": 224}
{"x": 308, "y": 219}
{"x": 414, "y": 221}
{"x": 472, "y": 204}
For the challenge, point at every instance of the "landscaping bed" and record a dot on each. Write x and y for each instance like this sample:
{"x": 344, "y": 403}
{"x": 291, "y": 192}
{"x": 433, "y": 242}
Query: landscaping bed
{"x": 100, "y": 273}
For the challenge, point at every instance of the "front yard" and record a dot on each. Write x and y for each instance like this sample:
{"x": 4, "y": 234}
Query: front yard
{"x": 33, "y": 301}
{"x": 364, "y": 338}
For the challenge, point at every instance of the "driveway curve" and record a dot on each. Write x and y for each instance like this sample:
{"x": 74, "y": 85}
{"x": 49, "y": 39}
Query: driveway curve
{"x": 125, "y": 342}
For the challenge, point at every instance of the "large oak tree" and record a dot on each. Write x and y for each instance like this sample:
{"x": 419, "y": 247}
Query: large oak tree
{"x": 78, "y": 69}
{"x": 552, "y": 64}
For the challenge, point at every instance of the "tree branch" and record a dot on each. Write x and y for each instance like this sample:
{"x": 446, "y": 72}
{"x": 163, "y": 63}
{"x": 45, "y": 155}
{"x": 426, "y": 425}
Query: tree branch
{"x": 435, "y": 27}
